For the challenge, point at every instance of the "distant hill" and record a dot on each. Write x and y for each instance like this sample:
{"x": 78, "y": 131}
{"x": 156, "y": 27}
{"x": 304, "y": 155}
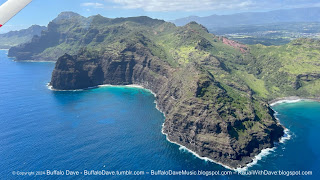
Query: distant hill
{"x": 70, "y": 32}
{"x": 268, "y": 28}
{"x": 254, "y": 18}
{"x": 270, "y": 34}
{"x": 14, "y": 38}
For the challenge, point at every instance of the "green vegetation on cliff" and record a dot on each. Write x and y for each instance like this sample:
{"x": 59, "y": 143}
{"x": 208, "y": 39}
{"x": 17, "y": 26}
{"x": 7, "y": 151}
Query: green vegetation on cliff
{"x": 289, "y": 70}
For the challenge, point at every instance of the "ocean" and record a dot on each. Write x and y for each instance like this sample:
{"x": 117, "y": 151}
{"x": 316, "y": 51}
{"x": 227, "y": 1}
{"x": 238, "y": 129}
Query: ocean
{"x": 110, "y": 129}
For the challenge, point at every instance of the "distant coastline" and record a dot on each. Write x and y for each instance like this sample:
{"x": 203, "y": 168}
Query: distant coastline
{"x": 32, "y": 61}
{"x": 25, "y": 60}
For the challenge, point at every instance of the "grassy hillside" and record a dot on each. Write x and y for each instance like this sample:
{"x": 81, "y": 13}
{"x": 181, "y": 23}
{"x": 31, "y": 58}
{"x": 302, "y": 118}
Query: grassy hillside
{"x": 288, "y": 70}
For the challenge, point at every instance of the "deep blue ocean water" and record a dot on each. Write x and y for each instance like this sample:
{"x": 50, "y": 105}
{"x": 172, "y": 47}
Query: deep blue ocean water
{"x": 117, "y": 128}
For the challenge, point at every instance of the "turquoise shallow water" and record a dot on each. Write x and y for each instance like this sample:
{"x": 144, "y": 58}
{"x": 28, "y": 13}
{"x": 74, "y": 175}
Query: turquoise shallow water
{"x": 117, "y": 128}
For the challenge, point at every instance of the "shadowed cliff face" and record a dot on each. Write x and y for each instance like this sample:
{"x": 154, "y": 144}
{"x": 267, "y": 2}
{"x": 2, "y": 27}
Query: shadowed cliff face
{"x": 71, "y": 73}
{"x": 199, "y": 111}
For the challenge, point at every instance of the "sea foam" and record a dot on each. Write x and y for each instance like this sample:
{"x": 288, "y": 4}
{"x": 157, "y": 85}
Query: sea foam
{"x": 286, "y": 101}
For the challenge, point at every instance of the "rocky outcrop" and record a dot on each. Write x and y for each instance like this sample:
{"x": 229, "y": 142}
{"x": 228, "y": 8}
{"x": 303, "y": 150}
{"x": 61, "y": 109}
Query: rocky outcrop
{"x": 199, "y": 111}
{"x": 243, "y": 48}
{"x": 72, "y": 74}
{"x": 306, "y": 78}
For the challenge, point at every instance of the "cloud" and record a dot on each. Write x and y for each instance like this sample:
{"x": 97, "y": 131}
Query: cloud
{"x": 199, "y": 5}
{"x": 94, "y": 5}
{"x": 181, "y": 5}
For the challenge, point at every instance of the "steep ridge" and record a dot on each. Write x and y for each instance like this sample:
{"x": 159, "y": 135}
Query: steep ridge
{"x": 69, "y": 32}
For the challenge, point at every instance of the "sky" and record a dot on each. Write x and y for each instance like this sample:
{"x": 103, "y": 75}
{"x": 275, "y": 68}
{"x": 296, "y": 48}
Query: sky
{"x": 41, "y": 12}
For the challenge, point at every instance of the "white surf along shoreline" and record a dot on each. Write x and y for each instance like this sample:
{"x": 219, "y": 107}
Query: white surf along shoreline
{"x": 292, "y": 99}
{"x": 263, "y": 153}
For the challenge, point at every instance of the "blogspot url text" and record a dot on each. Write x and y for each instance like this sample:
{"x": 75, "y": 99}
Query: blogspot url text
{"x": 160, "y": 173}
